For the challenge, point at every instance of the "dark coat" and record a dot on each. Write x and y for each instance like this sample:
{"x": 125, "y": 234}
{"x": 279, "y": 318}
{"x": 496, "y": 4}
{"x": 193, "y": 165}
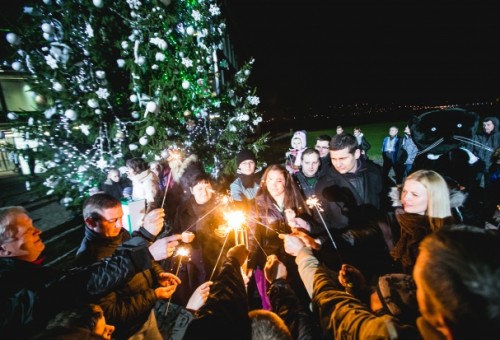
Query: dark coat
{"x": 129, "y": 306}
{"x": 307, "y": 185}
{"x": 203, "y": 221}
{"x": 225, "y": 314}
{"x": 32, "y": 294}
{"x": 113, "y": 188}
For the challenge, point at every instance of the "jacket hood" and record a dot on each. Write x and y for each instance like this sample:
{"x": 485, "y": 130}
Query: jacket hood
{"x": 302, "y": 136}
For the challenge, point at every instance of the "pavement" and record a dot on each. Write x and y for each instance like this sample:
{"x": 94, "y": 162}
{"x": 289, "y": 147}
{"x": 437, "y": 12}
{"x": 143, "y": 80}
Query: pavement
{"x": 62, "y": 231}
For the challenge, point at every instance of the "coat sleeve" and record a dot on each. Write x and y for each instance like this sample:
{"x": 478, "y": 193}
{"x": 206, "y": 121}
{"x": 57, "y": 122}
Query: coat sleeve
{"x": 345, "y": 316}
{"x": 226, "y": 309}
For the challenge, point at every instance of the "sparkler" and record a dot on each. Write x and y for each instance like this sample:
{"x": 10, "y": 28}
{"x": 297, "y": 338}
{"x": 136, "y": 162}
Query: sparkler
{"x": 314, "y": 202}
{"x": 235, "y": 221}
{"x": 224, "y": 200}
{"x": 181, "y": 252}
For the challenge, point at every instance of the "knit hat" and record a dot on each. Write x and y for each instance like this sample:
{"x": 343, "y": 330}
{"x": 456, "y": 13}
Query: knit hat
{"x": 300, "y": 135}
{"x": 245, "y": 155}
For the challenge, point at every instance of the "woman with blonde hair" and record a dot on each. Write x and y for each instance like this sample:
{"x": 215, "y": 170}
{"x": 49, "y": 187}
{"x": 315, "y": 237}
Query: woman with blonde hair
{"x": 422, "y": 206}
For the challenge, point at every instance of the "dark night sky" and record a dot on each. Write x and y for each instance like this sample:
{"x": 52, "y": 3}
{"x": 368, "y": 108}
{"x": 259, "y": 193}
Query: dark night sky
{"x": 310, "y": 54}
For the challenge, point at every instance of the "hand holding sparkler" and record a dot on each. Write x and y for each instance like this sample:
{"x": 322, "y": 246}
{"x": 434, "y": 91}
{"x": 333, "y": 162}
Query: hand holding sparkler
{"x": 199, "y": 296}
{"x": 169, "y": 283}
{"x": 153, "y": 221}
{"x": 306, "y": 239}
{"x": 164, "y": 247}
{"x": 293, "y": 244}
{"x": 352, "y": 279}
{"x": 187, "y": 236}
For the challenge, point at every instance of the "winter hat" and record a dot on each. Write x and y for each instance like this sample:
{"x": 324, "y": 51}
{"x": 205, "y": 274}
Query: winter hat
{"x": 302, "y": 136}
{"x": 245, "y": 155}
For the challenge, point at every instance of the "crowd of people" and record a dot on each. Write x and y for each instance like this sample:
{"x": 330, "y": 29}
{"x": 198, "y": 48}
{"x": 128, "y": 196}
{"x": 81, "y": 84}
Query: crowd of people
{"x": 333, "y": 246}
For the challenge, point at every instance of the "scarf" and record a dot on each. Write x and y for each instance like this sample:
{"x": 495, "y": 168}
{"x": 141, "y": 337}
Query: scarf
{"x": 248, "y": 181}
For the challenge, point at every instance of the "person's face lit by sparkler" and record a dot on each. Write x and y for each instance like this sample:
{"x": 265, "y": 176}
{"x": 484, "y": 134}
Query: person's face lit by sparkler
{"x": 202, "y": 192}
{"x": 275, "y": 183}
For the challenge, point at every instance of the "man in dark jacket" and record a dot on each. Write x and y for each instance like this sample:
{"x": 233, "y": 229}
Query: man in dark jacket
{"x": 130, "y": 306}
{"x": 32, "y": 294}
{"x": 486, "y": 143}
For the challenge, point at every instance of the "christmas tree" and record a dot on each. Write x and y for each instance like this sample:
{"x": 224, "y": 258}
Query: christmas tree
{"x": 115, "y": 79}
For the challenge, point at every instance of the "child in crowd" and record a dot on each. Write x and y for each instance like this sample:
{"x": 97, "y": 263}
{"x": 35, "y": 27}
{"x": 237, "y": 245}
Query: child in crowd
{"x": 294, "y": 154}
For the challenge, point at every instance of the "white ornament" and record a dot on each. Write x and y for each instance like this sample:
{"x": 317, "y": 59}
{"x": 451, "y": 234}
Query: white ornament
{"x": 39, "y": 99}
{"x": 185, "y": 84}
{"x": 47, "y": 36}
{"x": 166, "y": 2}
{"x": 92, "y": 103}
{"x": 165, "y": 153}
{"x": 16, "y": 66}
{"x": 57, "y": 86}
{"x": 12, "y": 116}
{"x": 119, "y": 135}
{"x": 30, "y": 121}
{"x": 151, "y": 107}
{"x": 190, "y": 30}
{"x": 12, "y": 38}
{"x": 133, "y": 98}
{"x": 140, "y": 60}
{"x": 133, "y": 147}
{"x": 98, "y": 111}
{"x": 135, "y": 114}
{"x": 47, "y": 28}
{"x": 174, "y": 98}
{"x": 120, "y": 63}
{"x": 143, "y": 140}
{"x": 70, "y": 114}
{"x": 247, "y": 72}
{"x": 100, "y": 74}
{"x": 150, "y": 130}
{"x": 98, "y": 3}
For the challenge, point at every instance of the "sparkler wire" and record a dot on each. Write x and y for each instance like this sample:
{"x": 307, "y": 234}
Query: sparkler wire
{"x": 218, "y": 258}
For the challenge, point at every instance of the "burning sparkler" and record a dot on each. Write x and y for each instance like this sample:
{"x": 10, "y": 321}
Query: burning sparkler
{"x": 181, "y": 252}
{"x": 314, "y": 202}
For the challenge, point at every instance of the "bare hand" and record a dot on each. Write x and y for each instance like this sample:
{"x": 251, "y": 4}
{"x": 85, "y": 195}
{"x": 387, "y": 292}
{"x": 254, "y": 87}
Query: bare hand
{"x": 164, "y": 247}
{"x": 274, "y": 269}
{"x": 199, "y": 296}
{"x": 165, "y": 292}
{"x": 306, "y": 239}
{"x": 293, "y": 244}
{"x": 301, "y": 223}
{"x": 153, "y": 221}
{"x": 168, "y": 279}
{"x": 350, "y": 277}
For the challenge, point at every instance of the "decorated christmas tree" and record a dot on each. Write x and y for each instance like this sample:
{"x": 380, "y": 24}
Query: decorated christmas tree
{"x": 115, "y": 79}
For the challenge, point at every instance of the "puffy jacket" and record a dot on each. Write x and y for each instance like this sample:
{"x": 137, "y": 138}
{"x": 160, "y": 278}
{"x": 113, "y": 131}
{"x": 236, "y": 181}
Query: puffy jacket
{"x": 32, "y": 294}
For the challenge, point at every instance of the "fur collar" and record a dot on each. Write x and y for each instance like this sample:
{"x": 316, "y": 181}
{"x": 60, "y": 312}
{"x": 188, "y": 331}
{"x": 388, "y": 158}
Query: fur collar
{"x": 178, "y": 166}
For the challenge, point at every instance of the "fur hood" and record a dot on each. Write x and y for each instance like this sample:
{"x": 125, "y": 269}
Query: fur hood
{"x": 457, "y": 197}
{"x": 300, "y": 135}
{"x": 179, "y": 166}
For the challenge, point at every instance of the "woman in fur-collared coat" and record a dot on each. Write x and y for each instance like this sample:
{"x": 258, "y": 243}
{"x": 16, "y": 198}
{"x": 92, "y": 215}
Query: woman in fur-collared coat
{"x": 144, "y": 183}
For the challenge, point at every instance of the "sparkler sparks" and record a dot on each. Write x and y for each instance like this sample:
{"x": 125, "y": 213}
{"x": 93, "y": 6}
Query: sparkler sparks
{"x": 314, "y": 202}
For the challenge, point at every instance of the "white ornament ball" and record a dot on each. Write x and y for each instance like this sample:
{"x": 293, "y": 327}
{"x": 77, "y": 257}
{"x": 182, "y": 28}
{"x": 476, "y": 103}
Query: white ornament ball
{"x": 98, "y": 3}
{"x": 247, "y": 72}
{"x": 47, "y": 36}
{"x": 120, "y": 63}
{"x": 135, "y": 114}
{"x": 57, "y": 86}
{"x": 140, "y": 60}
{"x": 92, "y": 103}
{"x": 47, "y": 28}
{"x": 98, "y": 111}
{"x": 150, "y": 130}
{"x": 12, "y": 116}
{"x": 70, "y": 114}
{"x": 190, "y": 30}
{"x": 133, "y": 98}
{"x": 174, "y": 98}
{"x": 119, "y": 135}
{"x": 100, "y": 74}
{"x": 31, "y": 121}
{"x": 125, "y": 45}
{"x": 165, "y": 153}
{"x": 151, "y": 107}
{"x": 143, "y": 140}
{"x": 40, "y": 100}
{"x": 185, "y": 84}
{"x": 133, "y": 147}
{"x": 187, "y": 113}
{"x": 16, "y": 66}
{"x": 12, "y": 38}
